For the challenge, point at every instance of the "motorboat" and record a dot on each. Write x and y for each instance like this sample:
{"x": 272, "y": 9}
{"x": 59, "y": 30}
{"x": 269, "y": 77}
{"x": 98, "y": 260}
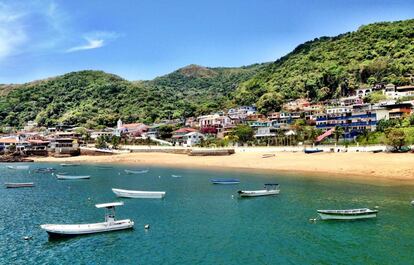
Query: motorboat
{"x": 136, "y": 171}
{"x": 68, "y": 177}
{"x": 110, "y": 224}
{"x": 139, "y": 194}
{"x": 350, "y": 214}
{"x": 19, "y": 185}
{"x": 69, "y": 165}
{"x": 270, "y": 189}
{"x": 225, "y": 181}
{"x": 18, "y": 167}
{"x": 312, "y": 151}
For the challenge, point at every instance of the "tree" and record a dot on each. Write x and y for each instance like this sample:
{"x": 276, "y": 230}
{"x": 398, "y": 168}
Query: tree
{"x": 115, "y": 141}
{"x": 269, "y": 102}
{"x": 338, "y": 133}
{"x": 165, "y": 131}
{"x": 396, "y": 138}
{"x": 244, "y": 133}
{"x": 101, "y": 142}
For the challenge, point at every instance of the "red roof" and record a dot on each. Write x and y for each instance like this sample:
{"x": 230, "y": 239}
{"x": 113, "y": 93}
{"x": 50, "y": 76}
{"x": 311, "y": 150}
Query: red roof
{"x": 8, "y": 140}
{"x": 185, "y": 130}
{"x": 38, "y": 142}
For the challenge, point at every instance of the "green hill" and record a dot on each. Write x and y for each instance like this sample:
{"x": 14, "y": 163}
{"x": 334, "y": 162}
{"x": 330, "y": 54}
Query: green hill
{"x": 320, "y": 69}
{"x": 95, "y": 98}
{"x": 328, "y": 66}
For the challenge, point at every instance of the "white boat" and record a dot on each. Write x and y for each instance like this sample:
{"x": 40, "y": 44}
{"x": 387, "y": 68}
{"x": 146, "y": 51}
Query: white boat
{"x": 19, "y": 185}
{"x": 176, "y": 176}
{"x": 110, "y": 224}
{"x": 270, "y": 189}
{"x": 69, "y": 165}
{"x": 139, "y": 194}
{"x": 68, "y": 177}
{"x": 136, "y": 171}
{"x": 412, "y": 202}
{"x": 350, "y": 214}
{"x": 18, "y": 167}
{"x": 223, "y": 181}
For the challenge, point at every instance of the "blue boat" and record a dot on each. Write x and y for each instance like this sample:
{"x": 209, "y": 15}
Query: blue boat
{"x": 225, "y": 181}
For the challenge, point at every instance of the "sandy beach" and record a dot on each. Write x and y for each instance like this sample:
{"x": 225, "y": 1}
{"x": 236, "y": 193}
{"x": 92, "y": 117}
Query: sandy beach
{"x": 369, "y": 167}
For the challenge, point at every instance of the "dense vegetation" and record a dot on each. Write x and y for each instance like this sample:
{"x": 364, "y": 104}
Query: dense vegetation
{"x": 320, "y": 69}
{"x": 330, "y": 66}
{"x": 95, "y": 98}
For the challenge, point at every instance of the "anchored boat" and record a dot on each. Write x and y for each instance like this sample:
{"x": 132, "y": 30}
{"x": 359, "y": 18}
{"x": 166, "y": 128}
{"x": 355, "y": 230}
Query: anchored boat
{"x": 68, "y": 177}
{"x": 110, "y": 224}
{"x": 139, "y": 194}
{"x": 69, "y": 165}
{"x": 350, "y": 214}
{"x": 18, "y": 167}
{"x": 225, "y": 181}
{"x": 19, "y": 185}
{"x": 45, "y": 170}
{"x": 270, "y": 189}
{"x": 136, "y": 171}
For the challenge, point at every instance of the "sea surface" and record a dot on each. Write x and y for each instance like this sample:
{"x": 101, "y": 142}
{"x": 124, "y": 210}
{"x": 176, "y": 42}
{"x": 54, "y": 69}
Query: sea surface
{"x": 202, "y": 223}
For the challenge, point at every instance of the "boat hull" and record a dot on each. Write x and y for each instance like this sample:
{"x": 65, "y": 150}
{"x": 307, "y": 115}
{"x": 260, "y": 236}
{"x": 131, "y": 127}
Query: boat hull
{"x": 67, "y": 177}
{"x": 19, "y": 185}
{"x": 135, "y": 171}
{"x": 57, "y": 231}
{"x": 135, "y": 194}
{"x": 346, "y": 217}
{"x": 258, "y": 193}
{"x": 225, "y": 181}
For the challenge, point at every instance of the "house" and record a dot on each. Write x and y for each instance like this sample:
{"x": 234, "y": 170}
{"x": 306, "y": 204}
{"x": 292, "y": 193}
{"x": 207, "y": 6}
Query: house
{"x": 96, "y": 135}
{"x": 192, "y": 139}
{"x": 180, "y": 136}
{"x": 64, "y": 146}
{"x": 6, "y": 142}
{"x": 132, "y": 129}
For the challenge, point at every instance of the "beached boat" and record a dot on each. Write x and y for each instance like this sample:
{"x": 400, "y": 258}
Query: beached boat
{"x": 377, "y": 151}
{"x": 110, "y": 224}
{"x": 19, "y": 185}
{"x": 225, "y": 181}
{"x": 18, "y": 167}
{"x": 68, "y": 177}
{"x": 270, "y": 189}
{"x": 139, "y": 194}
{"x": 136, "y": 171}
{"x": 69, "y": 165}
{"x": 312, "y": 151}
{"x": 350, "y": 214}
{"x": 268, "y": 155}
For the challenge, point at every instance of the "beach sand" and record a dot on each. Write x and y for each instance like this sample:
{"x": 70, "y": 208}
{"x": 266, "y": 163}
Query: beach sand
{"x": 366, "y": 167}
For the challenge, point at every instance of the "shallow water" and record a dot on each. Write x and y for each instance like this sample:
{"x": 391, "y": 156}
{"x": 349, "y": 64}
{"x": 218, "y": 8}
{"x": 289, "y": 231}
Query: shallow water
{"x": 202, "y": 223}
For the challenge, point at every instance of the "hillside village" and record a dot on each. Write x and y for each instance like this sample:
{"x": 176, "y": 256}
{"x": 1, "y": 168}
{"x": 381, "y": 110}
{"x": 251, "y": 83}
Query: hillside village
{"x": 347, "y": 120}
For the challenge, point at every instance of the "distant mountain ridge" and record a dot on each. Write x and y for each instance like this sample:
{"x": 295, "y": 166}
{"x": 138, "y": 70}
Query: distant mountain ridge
{"x": 324, "y": 68}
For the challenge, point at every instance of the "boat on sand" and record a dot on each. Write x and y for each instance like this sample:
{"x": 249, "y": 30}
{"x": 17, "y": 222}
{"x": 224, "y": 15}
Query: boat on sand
{"x": 350, "y": 214}
{"x": 110, "y": 224}
{"x": 68, "y": 177}
{"x": 139, "y": 194}
{"x": 312, "y": 150}
{"x": 19, "y": 185}
{"x": 270, "y": 189}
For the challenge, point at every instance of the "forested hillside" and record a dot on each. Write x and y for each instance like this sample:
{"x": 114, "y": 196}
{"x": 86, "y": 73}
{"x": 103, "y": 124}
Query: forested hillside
{"x": 320, "y": 69}
{"x": 328, "y": 66}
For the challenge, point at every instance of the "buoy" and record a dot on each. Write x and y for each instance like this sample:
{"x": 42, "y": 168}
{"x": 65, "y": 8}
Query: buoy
{"x": 89, "y": 198}
{"x": 147, "y": 226}
{"x": 159, "y": 177}
{"x": 376, "y": 207}
{"x": 312, "y": 220}
{"x": 27, "y": 237}
{"x": 232, "y": 196}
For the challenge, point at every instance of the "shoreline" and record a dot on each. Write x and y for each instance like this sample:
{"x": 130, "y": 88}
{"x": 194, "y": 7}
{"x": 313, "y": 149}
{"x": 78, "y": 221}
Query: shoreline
{"x": 382, "y": 168}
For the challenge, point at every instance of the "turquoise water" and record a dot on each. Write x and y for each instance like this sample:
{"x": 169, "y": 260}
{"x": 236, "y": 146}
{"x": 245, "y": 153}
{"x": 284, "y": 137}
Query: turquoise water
{"x": 200, "y": 223}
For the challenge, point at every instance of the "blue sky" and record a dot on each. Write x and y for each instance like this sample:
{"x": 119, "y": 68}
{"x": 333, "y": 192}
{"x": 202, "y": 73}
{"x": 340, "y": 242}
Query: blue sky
{"x": 142, "y": 39}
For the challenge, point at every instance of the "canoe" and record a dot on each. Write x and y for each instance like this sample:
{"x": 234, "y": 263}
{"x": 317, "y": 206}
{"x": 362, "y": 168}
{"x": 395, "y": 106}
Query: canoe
{"x": 312, "y": 151}
{"x": 268, "y": 155}
{"x": 225, "y": 181}
{"x": 139, "y": 194}
{"x": 19, "y": 185}
{"x": 270, "y": 189}
{"x": 68, "y": 177}
{"x": 110, "y": 224}
{"x": 350, "y": 214}
{"x": 18, "y": 167}
{"x": 136, "y": 171}
{"x": 69, "y": 165}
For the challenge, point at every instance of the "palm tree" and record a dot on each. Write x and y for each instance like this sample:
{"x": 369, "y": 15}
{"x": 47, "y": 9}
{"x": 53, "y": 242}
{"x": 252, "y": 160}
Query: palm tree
{"x": 339, "y": 131}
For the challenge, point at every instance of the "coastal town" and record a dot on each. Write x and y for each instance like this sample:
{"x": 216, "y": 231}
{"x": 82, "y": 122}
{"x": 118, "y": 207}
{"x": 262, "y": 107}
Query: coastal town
{"x": 300, "y": 122}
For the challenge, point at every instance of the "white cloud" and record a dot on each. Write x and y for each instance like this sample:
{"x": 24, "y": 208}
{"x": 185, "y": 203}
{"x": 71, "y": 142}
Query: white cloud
{"x": 12, "y": 32}
{"x": 95, "y": 40}
{"x": 91, "y": 44}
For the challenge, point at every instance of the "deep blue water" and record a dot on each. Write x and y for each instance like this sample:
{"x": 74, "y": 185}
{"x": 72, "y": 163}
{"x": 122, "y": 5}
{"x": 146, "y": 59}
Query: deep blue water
{"x": 201, "y": 223}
